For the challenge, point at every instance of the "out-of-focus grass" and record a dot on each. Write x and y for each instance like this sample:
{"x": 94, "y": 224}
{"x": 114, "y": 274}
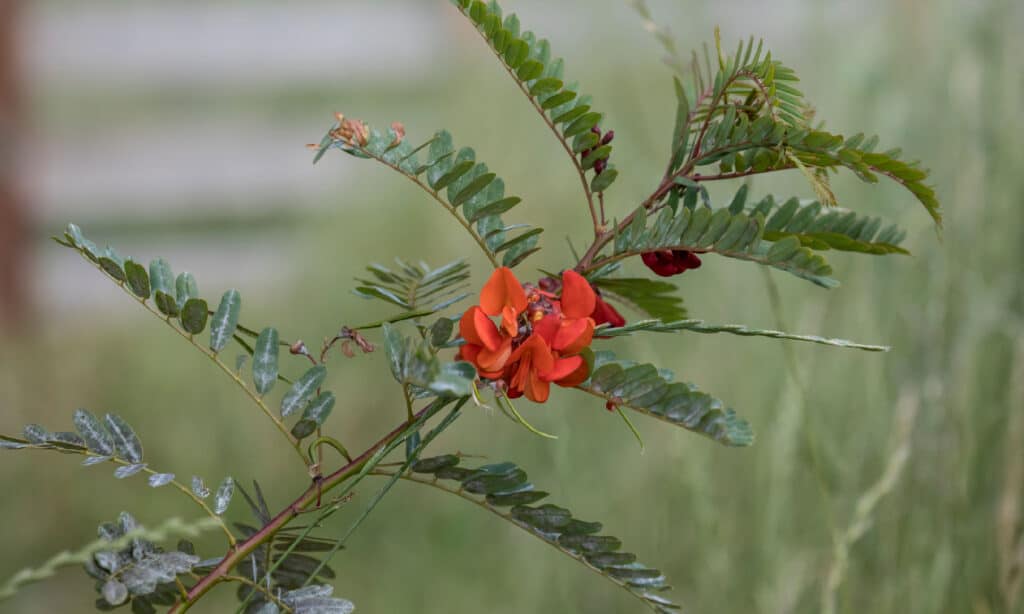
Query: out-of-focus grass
{"x": 735, "y": 530}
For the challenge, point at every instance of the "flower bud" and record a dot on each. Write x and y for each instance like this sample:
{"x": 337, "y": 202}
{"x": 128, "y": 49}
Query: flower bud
{"x": 608, "y": 136}
{"x": 668, "y": 263}
{"x": 399, "y": 129}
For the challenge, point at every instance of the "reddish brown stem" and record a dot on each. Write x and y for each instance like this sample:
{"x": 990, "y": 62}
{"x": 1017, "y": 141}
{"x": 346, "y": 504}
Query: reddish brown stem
{"x": 307, "y": 498}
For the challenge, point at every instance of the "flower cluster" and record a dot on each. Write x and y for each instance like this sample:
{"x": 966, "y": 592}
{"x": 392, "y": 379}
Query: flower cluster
{"x": 353, "y": 131}
{"x": 539, "y": 337}
{"x": 667, "y": 263}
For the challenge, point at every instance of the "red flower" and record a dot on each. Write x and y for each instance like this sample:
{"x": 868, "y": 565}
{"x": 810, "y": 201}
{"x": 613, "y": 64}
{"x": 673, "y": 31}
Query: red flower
{"x": 535, "y": 364}
{"x": 606, "y": 314}
{"x": 667, "y": 263}
{"x": 539, "y": 338}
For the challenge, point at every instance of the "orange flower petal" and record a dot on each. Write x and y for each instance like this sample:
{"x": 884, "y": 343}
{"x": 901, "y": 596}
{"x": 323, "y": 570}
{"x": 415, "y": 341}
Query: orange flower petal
{"x": 543, "y": 359}
{"x": 532, "y": 359}
{"x": 494, "y": 360}
{"x": 520, "y": 372}
{"x": 578, "y": 298}
{"x": 573, "y": 335}
{"x": 577, "y": 377}
{"x": 476, "y": 328}
{"x": 547, "y": 328}
{"x": 468, "y": 353}
{"x": 564, "y": 367}
{"x": 501, "y": 290}
{"x": 537, "y": 390}
{"x": 508, "y": 321}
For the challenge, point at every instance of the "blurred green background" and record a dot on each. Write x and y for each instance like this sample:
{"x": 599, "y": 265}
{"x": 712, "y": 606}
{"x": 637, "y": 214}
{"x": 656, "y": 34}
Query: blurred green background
{"x": 177, "y": 129}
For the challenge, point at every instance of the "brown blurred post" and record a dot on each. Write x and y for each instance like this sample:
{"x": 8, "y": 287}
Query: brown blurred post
{"x": 14, "y": 224}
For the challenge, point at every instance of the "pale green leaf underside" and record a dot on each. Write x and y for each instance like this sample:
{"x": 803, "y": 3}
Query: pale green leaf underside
{"x": 700, "y": 326}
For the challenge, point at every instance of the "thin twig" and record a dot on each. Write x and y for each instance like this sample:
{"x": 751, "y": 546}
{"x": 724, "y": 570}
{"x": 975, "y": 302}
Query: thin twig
{"x": 296, "y": 507}
{"x": 554, "y": 129}
{"x": 213, "y": 357}
{"x": 259, "y": 587}
{"x": 436, "y": 196}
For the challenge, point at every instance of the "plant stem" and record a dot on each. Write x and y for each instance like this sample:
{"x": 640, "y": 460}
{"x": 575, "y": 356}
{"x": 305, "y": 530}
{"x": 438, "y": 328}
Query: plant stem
{"x": 243, "y": 580}
{"x": 302, "y": 502}
{"x": 215, "y": 359}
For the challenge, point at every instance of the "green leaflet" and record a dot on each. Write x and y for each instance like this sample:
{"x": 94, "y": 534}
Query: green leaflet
{"x": 138, "y": 280}
{"x": 166, "y": 304}
{"x": 648, "y": 390}
{"x": 113, "y": 267}
{"x": 264, "y": 360}
{"x": 303, "y": 390}
{"x": 127, "y": 442}
{"x": 225, "y": 320}
{"x": 413, "y": 364}
{"x": 96, "y": 436}
{"x": 601, "y": 182}
{"x": 505, "y": 490}
{"x": 194, "y": 315}
{"x": 314, "y": 416}
{"x": 186, "y": 288}
{"x": 160, "y": 276}
{"x": 222, "y": 499}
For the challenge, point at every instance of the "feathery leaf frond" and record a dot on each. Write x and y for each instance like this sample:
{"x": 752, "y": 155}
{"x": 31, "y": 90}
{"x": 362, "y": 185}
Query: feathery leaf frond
{"x": 416, "y": 288}
{"x": 504, "y": 490}
{"x": 651, "y": 391}
{"x": 529, "y": 62}
{"x": 452, "y": 178}
{"x": 700, "y": 326}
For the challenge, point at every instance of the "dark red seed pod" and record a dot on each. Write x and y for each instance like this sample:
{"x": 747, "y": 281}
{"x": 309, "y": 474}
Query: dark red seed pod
{"x": 600, "y": 165}
{"x": 608, "y": 136}
{"x": 686, "y": 259}
{"x": 668, "y": 263}
{"x": 657, "y": 262}
{"x": 692, "y": 261}
{"x": 596, "y": 130}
